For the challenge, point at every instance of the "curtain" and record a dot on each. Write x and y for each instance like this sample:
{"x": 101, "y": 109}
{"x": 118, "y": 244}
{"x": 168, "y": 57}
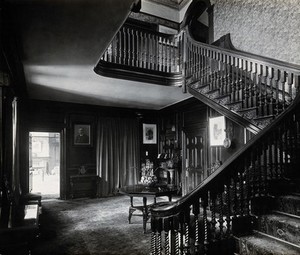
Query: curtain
{"x": 117, "y": 154}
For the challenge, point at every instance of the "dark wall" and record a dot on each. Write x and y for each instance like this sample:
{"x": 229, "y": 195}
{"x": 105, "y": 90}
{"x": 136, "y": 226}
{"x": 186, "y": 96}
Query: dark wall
{"x": 61, "y": 117}
{"x": 190, "y": 117}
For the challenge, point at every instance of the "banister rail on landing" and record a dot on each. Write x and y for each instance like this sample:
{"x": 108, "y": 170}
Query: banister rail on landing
{"x": 144, "y": 51}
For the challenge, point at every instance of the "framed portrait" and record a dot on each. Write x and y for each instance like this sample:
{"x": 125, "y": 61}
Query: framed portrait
{"x": 217, "y": 132}
{"x": 82, "y": 134}
{"x": 149, "y": 134}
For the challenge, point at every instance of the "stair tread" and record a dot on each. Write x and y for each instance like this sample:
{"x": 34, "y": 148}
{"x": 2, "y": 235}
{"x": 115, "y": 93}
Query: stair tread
{"x": 267, "y": 245}
{"x": 295, "y": 222}
{"x": 281, "y": 226}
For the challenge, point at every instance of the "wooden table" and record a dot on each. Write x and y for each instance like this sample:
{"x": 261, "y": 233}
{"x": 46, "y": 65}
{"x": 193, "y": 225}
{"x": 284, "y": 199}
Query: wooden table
{"x": 145, "y": 192}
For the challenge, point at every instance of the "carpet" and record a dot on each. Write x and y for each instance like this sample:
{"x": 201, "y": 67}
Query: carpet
{"x": 91, "y": 226}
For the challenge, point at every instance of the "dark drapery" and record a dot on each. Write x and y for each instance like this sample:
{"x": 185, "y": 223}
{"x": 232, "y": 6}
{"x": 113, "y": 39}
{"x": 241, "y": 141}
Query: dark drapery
{"x": 117, "y": 153}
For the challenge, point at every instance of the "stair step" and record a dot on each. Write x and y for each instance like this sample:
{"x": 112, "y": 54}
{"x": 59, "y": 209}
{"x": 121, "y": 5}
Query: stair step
{"x": 223, "y": 99}
{"x": 288, "y": 204}
{"x": 213, "y": 93}
{"x": 261, "y": 244}
{"x": 249, "y": 113}
{"x": 280, "y": 226}
{"x": 263, "y": 121}
{"x": 203, "y": 89}
{"x": 235, "y": 106}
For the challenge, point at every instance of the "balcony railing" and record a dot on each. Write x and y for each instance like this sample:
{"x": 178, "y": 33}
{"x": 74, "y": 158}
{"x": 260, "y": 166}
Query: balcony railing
{"x": 141, "y": 51}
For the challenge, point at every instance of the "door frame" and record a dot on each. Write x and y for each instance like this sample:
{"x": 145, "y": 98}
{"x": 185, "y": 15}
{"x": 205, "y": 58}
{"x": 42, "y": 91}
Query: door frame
{"x": 62, "y": 167}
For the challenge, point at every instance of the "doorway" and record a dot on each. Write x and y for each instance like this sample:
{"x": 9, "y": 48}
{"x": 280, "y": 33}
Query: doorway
{"x": 44, "y": 163}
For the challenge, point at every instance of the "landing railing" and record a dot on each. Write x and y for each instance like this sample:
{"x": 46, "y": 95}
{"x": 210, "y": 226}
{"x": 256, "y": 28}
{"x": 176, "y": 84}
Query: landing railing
{"x": 144, "y": 51}
{"x": 205, "y": 220}
{"x": 254, "y": 88}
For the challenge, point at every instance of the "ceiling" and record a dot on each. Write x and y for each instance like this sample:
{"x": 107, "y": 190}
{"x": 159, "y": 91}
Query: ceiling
{"x": 61, "y": 41}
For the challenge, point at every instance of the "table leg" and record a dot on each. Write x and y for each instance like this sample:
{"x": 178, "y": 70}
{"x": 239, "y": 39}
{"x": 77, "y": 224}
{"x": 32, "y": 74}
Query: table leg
{"x": 131, "y": 210}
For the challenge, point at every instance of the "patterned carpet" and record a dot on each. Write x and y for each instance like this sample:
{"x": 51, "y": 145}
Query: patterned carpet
{"x": 91, "y": 226}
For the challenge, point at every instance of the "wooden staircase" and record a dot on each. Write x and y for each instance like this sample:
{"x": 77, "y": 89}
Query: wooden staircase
{"x": 245, "y": 206}
{"x": 250, "y": 204}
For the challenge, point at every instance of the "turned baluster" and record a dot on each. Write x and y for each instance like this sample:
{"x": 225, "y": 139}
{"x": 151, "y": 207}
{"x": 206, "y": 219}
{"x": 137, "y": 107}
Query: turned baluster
{"x": 235, "y": 204}
{"x": 270, "y": 92}
{"x": 124, "y": 46}
{"x": 240, "y": 181}
{"x": 131, "y": 39}
{"x": 233, "y": 79}
{"x": 204, "y": 202}
{"x": 213, "y": 198}
{"x": 247, "y": 185}
{"x": 276, "y": 91}
{"x": 158, "y": 53}
{"x": 186, "y": 226}
{"x": 260, "y": 88}
{"x": 228, "y": 207}
{"x": 240, "y": 86}
{"x": 221, "y": 74}
{"x": 196, "y": 212}
{"x": 221, "y": 214}
{"x": 264, "y": 94}
{"x": 198, "y": 63}
{"x": 143, "y": 50}
{"x": 205, "y": 73}
{"x": 167, "y": 228}
{"x": 247, "y": 87}
{"x": 229, "y": 75}
{"x": 156, "y": 228}
{"x": 282, "y": 90}
{"x": 171, "y": 56}
{"x": 254, "y": 86}
{"x": 150, "y": 41}
{"x": 129, "y": 56}
{"x": 226, "y": 74}
{"x": 290, "y": 80}
{"x": 175, "y": 232}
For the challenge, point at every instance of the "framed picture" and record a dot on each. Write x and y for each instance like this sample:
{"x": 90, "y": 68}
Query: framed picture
{"x": 82, "y": 134}
{"x": 217, "y": 132}
{"x": 149, "y": 134}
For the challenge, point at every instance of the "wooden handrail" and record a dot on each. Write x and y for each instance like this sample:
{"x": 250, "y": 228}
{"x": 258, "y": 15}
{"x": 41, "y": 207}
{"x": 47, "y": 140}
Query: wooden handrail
{"x": 174, "y": 208}
{"x": 215, "y": 206}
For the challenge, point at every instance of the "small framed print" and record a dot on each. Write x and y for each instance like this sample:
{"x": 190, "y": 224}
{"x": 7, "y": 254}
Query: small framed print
{"x": 149, "y": 134}
{"x": 217, "y": 132}
{"x": 82, "y": 134}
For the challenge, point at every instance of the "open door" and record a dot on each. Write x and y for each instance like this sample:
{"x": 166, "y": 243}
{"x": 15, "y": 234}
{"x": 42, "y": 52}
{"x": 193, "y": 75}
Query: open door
{"x": 44, "y": 163}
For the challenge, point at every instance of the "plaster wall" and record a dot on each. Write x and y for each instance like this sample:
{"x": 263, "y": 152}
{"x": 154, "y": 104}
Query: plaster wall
{"x": 269, "y": 28}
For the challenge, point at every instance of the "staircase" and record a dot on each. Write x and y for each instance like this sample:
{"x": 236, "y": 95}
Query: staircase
{"x": 250, "y": 204}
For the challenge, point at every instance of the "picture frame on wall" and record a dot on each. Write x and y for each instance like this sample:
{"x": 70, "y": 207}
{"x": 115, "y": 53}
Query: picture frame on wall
{"x": 82, "y": 135}
{"x": 217, "y": 132}
{"x": 149, "y": 134}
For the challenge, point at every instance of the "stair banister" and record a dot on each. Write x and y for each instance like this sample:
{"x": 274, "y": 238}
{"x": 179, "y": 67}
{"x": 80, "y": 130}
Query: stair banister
{"x": 235, "y": 79}
{"x": 227, "y": 192}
